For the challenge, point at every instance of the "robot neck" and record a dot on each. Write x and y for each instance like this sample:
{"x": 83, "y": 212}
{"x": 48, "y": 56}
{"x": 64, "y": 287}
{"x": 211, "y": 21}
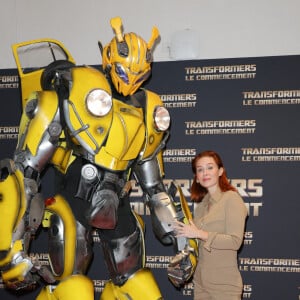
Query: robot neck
{"x": 130, "y": 99}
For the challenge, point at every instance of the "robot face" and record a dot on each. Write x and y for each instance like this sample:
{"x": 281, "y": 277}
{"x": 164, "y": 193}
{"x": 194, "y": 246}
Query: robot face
{"x": 129, "y": 62}
{"x": 127, "y": 58}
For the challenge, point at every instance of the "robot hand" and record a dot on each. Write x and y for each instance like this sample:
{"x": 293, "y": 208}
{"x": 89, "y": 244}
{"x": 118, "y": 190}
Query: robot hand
{"x": 182, "y": 267}
{"x": 23, "y": 273}
{"x": 183, "y": 264}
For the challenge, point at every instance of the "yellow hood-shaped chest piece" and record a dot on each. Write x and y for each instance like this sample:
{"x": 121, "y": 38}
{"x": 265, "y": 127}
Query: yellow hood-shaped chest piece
{"x": 117, "y": 138}
{"x": 125, "y": 132}
{"x": 132, "y": 134}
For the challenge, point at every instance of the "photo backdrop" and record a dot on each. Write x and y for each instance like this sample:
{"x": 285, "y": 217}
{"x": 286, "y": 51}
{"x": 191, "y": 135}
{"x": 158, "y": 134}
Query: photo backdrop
{"x": 246, "y": 109}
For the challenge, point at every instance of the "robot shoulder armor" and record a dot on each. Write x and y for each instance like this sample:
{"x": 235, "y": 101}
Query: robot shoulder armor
{"x": 153, "y": 98}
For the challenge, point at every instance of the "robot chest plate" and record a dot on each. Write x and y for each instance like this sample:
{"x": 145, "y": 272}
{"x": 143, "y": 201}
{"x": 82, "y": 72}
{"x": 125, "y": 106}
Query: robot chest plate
{"x": 113, "y": 140}
{"x": 126, "y": 135}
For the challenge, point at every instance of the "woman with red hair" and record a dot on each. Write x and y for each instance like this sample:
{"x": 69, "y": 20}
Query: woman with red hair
{"x": 218, "y": 224}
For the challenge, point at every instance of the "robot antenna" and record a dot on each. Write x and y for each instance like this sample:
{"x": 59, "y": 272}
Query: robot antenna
{"x": 116, "y": 24}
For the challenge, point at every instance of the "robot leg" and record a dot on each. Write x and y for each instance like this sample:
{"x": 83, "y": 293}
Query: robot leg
{"x": 12, "y": 204}
{"x": 101, "y": 189}
{"x": 124, "y": 251}
{"x": 70, "y": 252}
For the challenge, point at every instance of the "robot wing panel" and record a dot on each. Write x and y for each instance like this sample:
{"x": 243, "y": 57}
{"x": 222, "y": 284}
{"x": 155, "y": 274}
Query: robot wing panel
{"x": 31, "y": 59}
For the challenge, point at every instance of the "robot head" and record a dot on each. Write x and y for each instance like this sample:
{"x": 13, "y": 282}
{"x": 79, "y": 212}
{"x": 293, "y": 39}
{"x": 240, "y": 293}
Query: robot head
{"x": 127, "y": 58}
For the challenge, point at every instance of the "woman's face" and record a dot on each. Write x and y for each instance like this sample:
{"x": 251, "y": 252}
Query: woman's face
{"x": 208, "y": 173}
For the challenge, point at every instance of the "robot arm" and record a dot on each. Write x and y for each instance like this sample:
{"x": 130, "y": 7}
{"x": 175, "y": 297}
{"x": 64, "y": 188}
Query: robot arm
{"x": 19, "y": 221}
{"x": 163, "y": 213}
{"x": 21, "y": 205}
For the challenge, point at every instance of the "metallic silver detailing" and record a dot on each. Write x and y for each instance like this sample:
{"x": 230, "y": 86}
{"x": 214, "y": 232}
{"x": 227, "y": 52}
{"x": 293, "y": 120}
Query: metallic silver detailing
{"x": 113, "y": 178}
{"x": 104, "y": 209}
{"x": 19, "y": 232}
{"x": 148, "y": 173}
{"x": 31, "y": 187}
{"x": 57, "y": 255}
{"x": 84, "y": 252}
{"x": 55, "y": 130}
{"x": 67, "y": 105}
{"x": 36, "y": 212}
{"x": 105, "y": 201}
{"x": 124, "y": 256}
{"x": 31, "y": 108}
{"x": 46, "y": 148}
{"x": 164, "y": 211}
{"x": 90, "y": 173}
{"x": 56, "y": 245}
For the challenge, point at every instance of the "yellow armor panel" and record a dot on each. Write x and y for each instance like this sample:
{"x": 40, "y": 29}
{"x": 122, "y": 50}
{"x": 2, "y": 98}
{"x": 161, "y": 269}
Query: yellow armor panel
{"x": 62, "y": 158}
{"x": 12, "y": 207}
{"x": 133, "y": 288}
{"x": 16, "y": 247}
{"x": 32, "y": 80}
{"x": 47, "y": 107}
{"x": 76, "y": 287}
{"x": 16, "y": 273}
{"x": 160, "y": 163}
{"x": 128, "y": 129}
{"x": 59, "y": 206}
{"x": 141, "y": 224}
{"x": 89, "y": 130}
{"x": 126, "y": 137}
{"x": 153, "y": 137}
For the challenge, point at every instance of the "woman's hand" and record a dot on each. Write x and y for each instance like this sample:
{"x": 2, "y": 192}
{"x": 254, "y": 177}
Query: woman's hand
{"x": 189, "y": 230}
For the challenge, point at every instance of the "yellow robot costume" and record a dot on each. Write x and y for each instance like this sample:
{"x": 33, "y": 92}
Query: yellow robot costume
{"x": 99, "y": 130}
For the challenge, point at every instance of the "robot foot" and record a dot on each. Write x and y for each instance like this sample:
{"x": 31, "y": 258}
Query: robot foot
{"x": 134, "y": 288}
{"x": 75, "y": 287}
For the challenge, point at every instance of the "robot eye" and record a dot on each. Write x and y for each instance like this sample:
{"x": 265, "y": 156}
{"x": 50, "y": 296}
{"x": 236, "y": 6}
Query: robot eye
{"x": 143, "y": 77}
{"x": 121, "y": 73}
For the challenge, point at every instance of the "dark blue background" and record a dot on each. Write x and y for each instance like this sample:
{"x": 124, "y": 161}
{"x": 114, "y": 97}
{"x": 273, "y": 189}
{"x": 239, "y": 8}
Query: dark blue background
{"x": 275, "y": 230}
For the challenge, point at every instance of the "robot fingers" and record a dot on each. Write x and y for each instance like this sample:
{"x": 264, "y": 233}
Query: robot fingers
{"x": 182, "y": 267}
